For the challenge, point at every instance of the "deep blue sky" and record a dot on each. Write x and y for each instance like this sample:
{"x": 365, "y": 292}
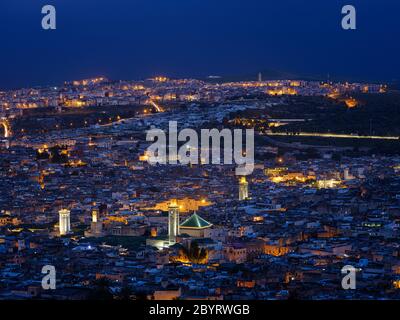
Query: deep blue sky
{"x": 132, "y": 39}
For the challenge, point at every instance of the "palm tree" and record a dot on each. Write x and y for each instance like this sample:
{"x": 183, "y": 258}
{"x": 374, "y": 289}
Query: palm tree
{"x": 195, "y": 254}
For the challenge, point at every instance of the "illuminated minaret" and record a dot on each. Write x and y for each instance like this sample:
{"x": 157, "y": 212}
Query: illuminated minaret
{"x": 95, "y": 215}
{"x": 173, "y": 221}
{"x": 96, "y": 227}
{"x": 65, "y": 224}
{"x": 243, "y": 189}
{"x": 259, "y": 77}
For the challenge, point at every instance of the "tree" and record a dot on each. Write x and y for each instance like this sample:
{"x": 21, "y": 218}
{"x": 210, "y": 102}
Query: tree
{"x": 101, "y": 290}
{"x": 142, "y": 296}
{"x": 195, "y": 254}
{"x": 125, "y": 293}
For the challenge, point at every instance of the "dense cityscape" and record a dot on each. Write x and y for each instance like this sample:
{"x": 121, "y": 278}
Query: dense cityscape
{"x": 78, "y": 192}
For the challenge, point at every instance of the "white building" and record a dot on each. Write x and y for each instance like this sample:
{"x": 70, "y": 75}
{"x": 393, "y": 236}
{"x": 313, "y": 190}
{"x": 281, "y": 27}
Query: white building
{"x": 65, "y": 221}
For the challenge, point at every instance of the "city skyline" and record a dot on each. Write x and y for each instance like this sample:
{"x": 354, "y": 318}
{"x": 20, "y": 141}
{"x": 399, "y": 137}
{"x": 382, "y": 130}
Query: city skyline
{"x": 211, "y": 79}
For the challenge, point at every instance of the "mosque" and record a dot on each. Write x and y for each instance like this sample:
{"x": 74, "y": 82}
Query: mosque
{"x": 194, "y": 227}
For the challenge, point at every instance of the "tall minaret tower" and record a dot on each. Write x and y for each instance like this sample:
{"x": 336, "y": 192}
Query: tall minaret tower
{"x": 65, "y": 221}
{"x": 243, "y": 189}
{"x": 96, "y": 227}
{"x": 95, "y": 215}
{"x": 259, "y": 77}
{"x": 173, "y": 221}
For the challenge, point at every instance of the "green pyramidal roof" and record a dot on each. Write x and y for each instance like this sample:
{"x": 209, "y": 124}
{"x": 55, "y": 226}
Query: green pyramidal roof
{"x": 195, "y": 222}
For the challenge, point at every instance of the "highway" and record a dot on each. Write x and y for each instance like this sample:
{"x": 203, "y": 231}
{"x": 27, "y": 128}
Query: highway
{"x": 332, "y": 135}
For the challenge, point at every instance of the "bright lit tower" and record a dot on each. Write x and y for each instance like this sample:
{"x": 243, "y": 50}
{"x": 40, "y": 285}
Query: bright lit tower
{"x": 65, "y": 221}
{"x": 96, "y": 227}
{"x": 243, "y": 189}
{"x": 95, "y": 215}
{"x": 173, "y": 221}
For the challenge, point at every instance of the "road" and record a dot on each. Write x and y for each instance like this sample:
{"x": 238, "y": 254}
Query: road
{"x": 333, "y": 135}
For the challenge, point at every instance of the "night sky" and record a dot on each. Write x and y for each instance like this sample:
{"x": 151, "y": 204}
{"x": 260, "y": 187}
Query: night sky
{"x": 130, "y": 39}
